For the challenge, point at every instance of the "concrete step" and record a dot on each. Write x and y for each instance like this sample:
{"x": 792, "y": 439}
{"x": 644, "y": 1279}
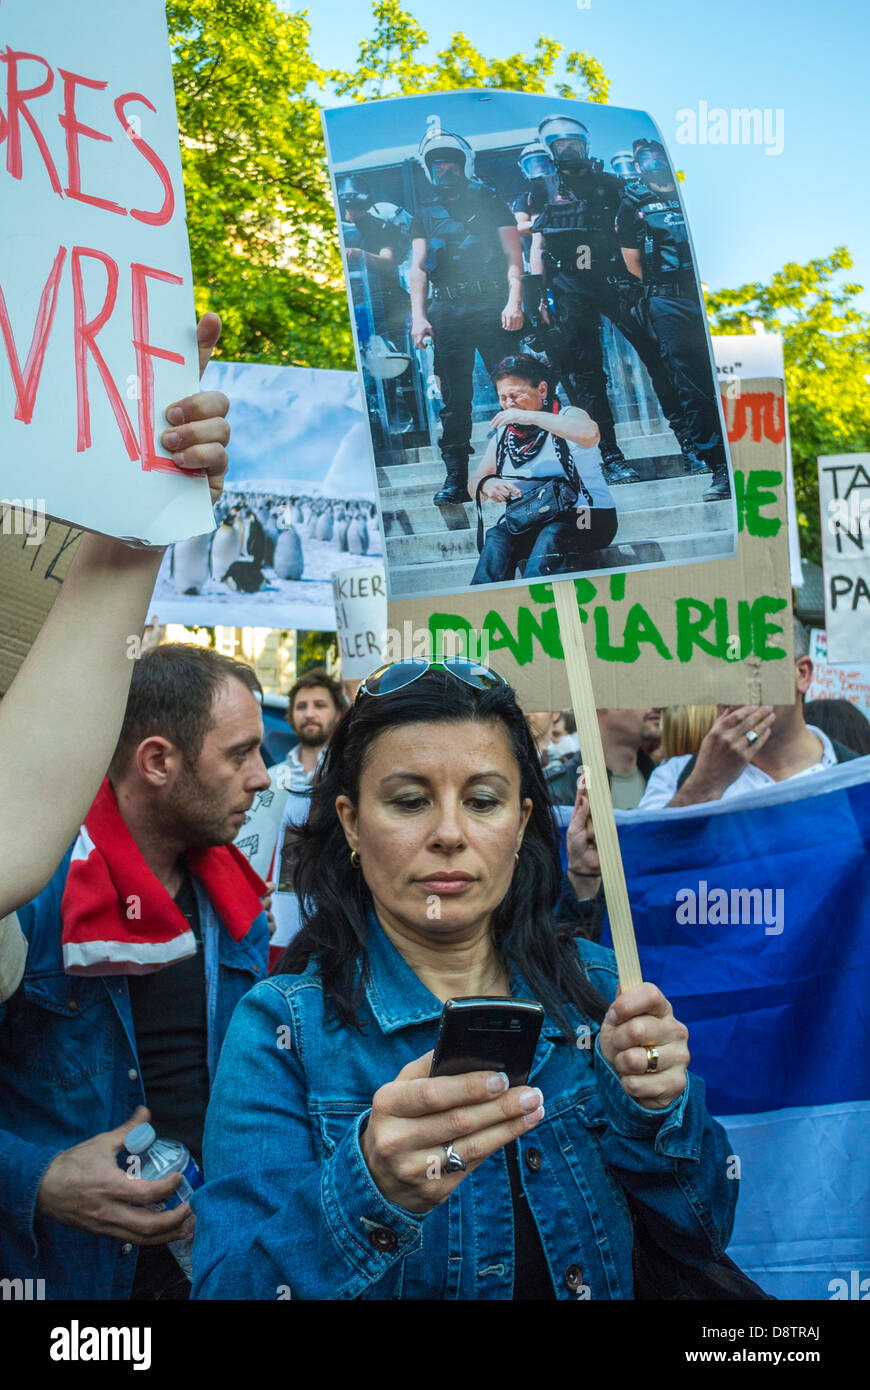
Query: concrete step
{"x": 454, "y": 576}
{"x": 430, "y": 524}
{"x": 674, "y": 490}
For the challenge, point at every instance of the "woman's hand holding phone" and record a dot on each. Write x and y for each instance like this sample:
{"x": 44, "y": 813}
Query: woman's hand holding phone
{"x": 413, "y": 1117}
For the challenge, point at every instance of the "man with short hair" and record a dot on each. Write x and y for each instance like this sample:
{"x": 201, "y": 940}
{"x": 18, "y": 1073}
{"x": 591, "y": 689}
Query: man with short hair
{"x": 314, "y": 706}
{"x": 140, "y": 947}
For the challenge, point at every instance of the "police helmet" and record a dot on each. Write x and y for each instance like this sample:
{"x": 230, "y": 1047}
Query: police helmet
{"x": 354, "y": 192}
{"x": 622, "y": 164}
{"x": 556, "y": 128}
{"x": 535, "y": 161}
{"x": 441, "y": 144}
{"x": 651, "y": 158}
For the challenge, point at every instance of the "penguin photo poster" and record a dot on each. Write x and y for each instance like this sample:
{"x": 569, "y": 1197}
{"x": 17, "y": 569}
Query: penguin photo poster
{"x": 539, "y": 383}
{"x": 298, "y": 504}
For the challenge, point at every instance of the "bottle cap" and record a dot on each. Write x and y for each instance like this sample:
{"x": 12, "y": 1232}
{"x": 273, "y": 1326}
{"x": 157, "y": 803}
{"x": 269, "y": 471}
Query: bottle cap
{"x": 140, "y": 1139}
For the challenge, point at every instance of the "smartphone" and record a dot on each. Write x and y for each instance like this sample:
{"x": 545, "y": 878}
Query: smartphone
{"x": 485, "y": 1034}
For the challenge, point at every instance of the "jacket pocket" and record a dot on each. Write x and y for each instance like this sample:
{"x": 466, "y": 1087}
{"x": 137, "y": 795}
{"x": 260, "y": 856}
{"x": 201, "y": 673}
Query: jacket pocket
{"x": 63, "y": 1032}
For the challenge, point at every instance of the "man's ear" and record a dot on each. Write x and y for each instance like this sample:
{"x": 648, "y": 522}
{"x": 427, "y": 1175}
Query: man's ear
{"x": 156, "y": 760}
{"x": 803, "y": 674}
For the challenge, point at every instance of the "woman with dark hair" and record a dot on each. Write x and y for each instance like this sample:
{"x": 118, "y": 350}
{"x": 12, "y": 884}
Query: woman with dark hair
{"x": 335, "y": 1165}
{"x": 544, "y": 463}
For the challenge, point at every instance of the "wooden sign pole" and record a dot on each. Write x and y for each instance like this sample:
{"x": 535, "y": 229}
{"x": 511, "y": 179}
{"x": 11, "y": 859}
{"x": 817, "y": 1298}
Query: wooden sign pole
{"x": 597, "y": 785}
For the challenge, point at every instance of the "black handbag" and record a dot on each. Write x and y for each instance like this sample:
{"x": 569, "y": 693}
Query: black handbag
{"x": 539, "y": 505}
{"x": 659, "y": 1274}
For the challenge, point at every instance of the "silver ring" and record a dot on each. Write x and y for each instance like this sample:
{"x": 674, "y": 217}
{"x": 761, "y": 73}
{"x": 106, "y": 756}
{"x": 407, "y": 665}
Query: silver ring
{"x": 751, "y": 736}
{"x": 454, "y": 1163}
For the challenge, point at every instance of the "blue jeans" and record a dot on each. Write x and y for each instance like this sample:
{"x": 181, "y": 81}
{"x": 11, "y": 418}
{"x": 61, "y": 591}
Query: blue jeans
{"x": 560, "y": 547}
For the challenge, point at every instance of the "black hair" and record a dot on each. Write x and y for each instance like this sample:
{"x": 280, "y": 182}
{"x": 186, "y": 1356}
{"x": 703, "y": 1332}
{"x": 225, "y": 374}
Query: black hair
{"x": 335, "y": 900}
{"x": 525, "y": 366}
{"x": 841, "y": 721}
{"x": 172, "y": 693}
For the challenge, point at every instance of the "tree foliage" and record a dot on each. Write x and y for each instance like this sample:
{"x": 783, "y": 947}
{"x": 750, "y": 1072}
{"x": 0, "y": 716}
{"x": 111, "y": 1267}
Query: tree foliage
{"x": 826, "y": 345}
{"x": 262, "y": 228}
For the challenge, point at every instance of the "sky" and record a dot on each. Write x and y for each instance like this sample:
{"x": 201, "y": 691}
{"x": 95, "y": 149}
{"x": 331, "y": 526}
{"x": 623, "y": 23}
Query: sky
{"x": 803, "y": 63}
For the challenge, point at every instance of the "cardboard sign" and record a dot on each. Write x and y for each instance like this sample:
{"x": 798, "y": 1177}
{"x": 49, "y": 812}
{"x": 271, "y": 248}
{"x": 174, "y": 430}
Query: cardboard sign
{"x": 256, "y": 839}
{"x": 35, "y": 555}
{"x": 297, "y": 504}
{"x": 831, "y": 682}
{"x": 552, "y": 232}
{"x": 706, "y": 634}
{"x": 844, "y": 504}
{"x": 360, "y": 597}
{"x": 97, "y": 323}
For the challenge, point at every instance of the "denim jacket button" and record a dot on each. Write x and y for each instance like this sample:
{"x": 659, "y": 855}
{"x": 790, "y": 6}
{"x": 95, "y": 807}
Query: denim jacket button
{"x": 126, "y": 1248}
{"x": 383, "y": 1239}
{"x": 573, "y": 1277}
{"x": 534, "y": 1159}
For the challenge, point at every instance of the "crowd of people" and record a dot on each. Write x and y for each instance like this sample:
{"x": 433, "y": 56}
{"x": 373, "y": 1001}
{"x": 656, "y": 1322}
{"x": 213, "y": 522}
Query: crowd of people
{"x": 420, "y": 839}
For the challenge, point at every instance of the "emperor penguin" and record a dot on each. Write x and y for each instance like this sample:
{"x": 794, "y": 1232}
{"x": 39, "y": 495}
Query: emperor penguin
{"x": 324, "y": 527}
{"x": 189, "y": 564}
{"x": 341, "y": 534}
{"x": 225, "y": 550}
{"x": 289, "y": 561}
{"x": 358, "y": 537}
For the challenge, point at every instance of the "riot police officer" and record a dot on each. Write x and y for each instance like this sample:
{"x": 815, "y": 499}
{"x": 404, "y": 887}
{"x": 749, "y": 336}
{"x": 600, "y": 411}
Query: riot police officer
{"x": 381, "y": 241}
{"x": 466, "y": 257}
{"x": 652, "y": 233}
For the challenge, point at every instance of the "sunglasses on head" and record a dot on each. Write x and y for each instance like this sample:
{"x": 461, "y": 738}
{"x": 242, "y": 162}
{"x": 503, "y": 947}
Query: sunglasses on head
{"x": 398, "y": 674}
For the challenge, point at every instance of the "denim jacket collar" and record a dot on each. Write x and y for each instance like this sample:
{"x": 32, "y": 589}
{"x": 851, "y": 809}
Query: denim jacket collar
{"x": 398, "y": 998}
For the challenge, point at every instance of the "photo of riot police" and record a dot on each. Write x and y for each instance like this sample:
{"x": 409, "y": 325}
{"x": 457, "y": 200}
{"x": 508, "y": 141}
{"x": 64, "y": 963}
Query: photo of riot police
{"x": 532, "y": 339}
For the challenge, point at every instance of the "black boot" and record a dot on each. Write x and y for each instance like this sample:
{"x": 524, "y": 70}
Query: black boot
{"x": 455, "y": 489}
{"x": 615, "y": 468}
{"x": 720, "y": 488}
{"x": 691, "y": 462}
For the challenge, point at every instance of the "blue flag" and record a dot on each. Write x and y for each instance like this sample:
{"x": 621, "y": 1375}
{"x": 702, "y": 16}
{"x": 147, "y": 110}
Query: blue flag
{"x": 753, "y": 918}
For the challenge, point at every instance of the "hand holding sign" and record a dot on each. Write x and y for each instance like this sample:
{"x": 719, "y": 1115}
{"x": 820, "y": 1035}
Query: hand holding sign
{"x": 200, "y": 435}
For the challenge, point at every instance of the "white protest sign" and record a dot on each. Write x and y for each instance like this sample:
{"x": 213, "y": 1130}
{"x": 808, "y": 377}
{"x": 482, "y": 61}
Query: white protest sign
{"x": 259, "y": 833}
{"x": 844, "y": 506}
{"x": 360, "y": 596}
{"x": 829, "y": 682}
{"x": 97, "y": 322}
{"x": 740, "y": 356}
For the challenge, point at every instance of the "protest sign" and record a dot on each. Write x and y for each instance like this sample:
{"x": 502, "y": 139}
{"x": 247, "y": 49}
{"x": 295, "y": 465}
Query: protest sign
{"x": 704, "y": 634}
{"x": 35, "y": 555}
{"x": 844, "y": 505}
{"x": 360, "y": 597}
{"x": 97, "y": 318}
{"x": 256, "y": 839}
{"x": 743, "y": 355}
{"x": 831, "y": 682}
{"x": 297, "y": 504}
{"x": 602, "y": 447}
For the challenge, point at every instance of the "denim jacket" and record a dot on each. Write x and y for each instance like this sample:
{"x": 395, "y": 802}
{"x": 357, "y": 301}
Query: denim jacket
{"x": 290, "y": 1210}
{"x": 69, "y": 1070}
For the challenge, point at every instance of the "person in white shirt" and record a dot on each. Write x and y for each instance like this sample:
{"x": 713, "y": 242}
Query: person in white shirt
{"x": 749, "y": 747}
{"x": 536, "y": 442}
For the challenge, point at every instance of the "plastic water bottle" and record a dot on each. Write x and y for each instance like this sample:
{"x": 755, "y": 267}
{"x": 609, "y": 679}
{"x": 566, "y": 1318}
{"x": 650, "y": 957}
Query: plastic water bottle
{"x": 158, "y": 1158}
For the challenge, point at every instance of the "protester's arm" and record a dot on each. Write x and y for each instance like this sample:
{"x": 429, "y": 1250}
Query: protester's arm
{"x": 662, "y": 783}
{"x": 498, "y": 491}
{"x": 633, "y": 264}
{"x": 60, "y": 718}
{"x": 573, "y": 424}
{"x": 674, "y": 1160}
{"x": 725, "y": 753}
{"x": 273, "y": 1213}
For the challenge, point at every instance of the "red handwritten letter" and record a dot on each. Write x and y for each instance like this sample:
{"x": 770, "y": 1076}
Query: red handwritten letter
{"x": 84, "y": 335}
{"x": 74, "y": 129}
{"x": 16, "y": 105}
{"x": 144, "y": 369}
{"x": 26, "y": 383}
{"x": 164, "y": 213}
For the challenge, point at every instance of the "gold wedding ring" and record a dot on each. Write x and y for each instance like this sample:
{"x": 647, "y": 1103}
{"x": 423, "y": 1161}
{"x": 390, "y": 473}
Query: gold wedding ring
{"x": 652, "y": 1059}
